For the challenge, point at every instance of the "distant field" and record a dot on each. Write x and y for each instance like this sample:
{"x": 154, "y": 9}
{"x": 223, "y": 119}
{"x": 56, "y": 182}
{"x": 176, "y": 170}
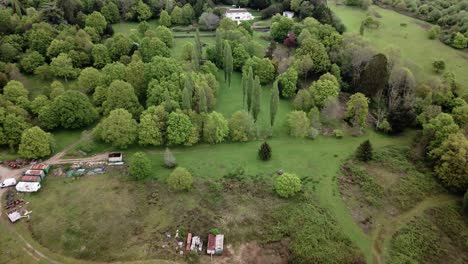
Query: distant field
{"x": 416, "y": 49}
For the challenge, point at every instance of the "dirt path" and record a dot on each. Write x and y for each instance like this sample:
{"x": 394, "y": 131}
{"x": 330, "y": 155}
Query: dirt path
{"x": 386, "y": 229}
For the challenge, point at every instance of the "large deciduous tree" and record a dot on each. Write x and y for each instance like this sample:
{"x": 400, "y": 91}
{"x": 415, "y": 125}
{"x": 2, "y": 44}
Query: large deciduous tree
{"x": 298, "y": 124}
{"x": 452, "y": 162}
{"x": 241, "y": 127}
{"x": 97, "y": 21}
{"x": 215, "y": 129}
{"x": 179, "y": 127}
{"x": 118, "y": 129}
{"x": 356, "y": 110}
{"x": 122, "y": 95}
{"x": 35, "y": 143}
{"x": 62, "y": 67}
{"x": 72, "y": 110}
{"x": 140, "y": 166}
{"x": 152, "y": 126}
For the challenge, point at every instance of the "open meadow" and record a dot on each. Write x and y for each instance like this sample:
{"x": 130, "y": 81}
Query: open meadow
{"x": 410, "y": 37}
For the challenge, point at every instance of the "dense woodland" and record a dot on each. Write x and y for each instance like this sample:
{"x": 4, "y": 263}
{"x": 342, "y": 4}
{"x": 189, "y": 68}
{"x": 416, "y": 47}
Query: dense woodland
{"x": 130, "y": 91}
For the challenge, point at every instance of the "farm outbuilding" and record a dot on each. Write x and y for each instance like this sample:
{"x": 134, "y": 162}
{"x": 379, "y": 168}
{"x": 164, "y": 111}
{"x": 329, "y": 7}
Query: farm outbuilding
{"x": 115, "y": 157}
{"x": 215, "y": 244}
{"x": 43, "y": 167}
{"x": 39, "y": 173}
{"x": 28, "y": 186}
{"x": 27, "y": 178}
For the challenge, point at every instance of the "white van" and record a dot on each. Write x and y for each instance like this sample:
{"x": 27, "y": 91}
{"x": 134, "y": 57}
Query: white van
{"x": 8, "y": 182}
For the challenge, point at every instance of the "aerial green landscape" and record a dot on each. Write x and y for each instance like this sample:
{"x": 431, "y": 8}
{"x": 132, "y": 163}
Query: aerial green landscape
{"x": 228, "y": 132}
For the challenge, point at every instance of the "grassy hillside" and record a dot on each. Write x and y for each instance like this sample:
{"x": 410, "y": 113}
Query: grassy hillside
{"x": 409, "y": 35}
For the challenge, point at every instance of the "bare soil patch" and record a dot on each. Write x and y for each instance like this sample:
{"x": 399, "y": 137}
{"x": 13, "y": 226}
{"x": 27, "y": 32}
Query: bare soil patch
{"x": 253, "y": 252}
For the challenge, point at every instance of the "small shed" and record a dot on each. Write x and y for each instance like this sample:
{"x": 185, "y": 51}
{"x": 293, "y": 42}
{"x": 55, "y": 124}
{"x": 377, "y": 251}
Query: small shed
{"x": 288, "y": 14}
{"x": 115, "y": 157}
{"x": 39, "y": 173}
{"x": 42, "y": 167}
{"x": 215, "y": 244}
{"x": 27, "y": 178}
{"x": 14, "y": 216}
{"x": 28, "y": 186}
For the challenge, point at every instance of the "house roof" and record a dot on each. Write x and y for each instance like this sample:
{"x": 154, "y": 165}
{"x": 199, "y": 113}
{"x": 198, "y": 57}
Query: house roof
{"x": 237, "y": 10}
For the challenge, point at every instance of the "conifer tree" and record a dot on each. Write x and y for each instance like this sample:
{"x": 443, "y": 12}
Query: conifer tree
{"x": 264, "y": 153}
{"x": 364, "y": 151}
{"x": 274, "y": 100}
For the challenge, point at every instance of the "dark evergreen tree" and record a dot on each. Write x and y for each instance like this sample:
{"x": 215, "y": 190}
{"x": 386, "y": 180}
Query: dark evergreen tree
{"x": 264, "y": 153}
{"x": 364, "y": 151}
{"x": 465, "y": 203}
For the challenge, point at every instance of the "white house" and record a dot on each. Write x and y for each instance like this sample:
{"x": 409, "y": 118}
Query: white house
{"x": 288, "y": 14}
{"x": 239, "y": 14}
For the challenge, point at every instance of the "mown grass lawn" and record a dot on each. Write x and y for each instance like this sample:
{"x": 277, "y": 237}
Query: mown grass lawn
{"x": 417, "y": 50}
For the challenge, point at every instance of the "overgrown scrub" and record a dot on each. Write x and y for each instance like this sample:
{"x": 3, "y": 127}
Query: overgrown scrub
{"x": 438, "y": 236}
{"x": 315, "y": 237}
{"x": 415, "y": 182}
{"x": 372, "y": 192}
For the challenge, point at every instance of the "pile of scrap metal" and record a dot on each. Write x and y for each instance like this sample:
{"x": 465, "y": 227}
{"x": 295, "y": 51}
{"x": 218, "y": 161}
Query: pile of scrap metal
{"x": 15, "y": 208}
{"x": 194, "y": 243}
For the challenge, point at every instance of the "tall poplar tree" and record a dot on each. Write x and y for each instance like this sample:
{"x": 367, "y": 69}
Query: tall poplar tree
{"x": 195, "y": 59}
{"x": 198, "y": 44}
{"x": 245, "y": 78}
{"x": 202, "y": 104}
{"x": 187, "y": 93}
{"x": 250, "y": 85}
{"x": 228, "y": 67}
{"x": 219, "y": 51}
{"x": 274, "y": 100}
{"x": 256, "y": 98}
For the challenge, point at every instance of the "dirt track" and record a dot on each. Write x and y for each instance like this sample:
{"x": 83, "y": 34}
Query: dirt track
{"x": 387, "y": 229}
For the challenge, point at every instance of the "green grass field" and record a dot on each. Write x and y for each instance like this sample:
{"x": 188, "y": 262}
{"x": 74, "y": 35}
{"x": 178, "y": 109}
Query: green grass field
{"x": 109, "y": 201}
{"x": 417, "y": 51}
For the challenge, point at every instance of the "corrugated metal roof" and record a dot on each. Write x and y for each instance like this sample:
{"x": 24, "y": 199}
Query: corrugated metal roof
{"x": 237, "y": 10}
{"x": 31, "y": 178}
{"x": 211, "y": 242}
{"x": 39, "y": 167}
{"x": 33, "y": 172}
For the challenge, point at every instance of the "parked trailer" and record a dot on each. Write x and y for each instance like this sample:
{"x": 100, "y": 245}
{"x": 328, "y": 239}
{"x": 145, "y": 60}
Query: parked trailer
{"x": 27, "y": 178}
{"x": 42, "y": 167}
{"x": 39, "y": 173}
